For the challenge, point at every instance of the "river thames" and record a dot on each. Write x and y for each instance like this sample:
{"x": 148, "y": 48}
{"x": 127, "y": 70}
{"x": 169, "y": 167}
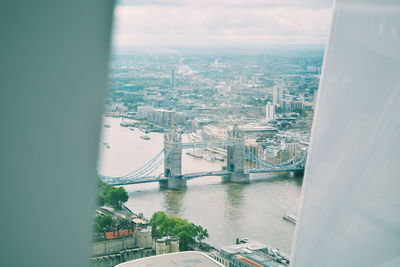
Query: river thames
{"x": 226, "y": 210}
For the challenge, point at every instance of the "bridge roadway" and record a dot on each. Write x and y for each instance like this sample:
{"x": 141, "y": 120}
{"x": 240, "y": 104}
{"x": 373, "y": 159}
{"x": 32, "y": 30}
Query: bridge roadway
{"x": 190, "y": 176}
{"x": 207, "y": 144}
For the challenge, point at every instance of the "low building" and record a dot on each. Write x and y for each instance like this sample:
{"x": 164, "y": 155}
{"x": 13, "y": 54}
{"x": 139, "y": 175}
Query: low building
{"x": 166, "y": 244}
{"x": 143, "y": 111}
{"x": 291, "y": 105}
{"x": 144, "y": 238}
{"x": 258, "y": 130}
{"x": 250, "y": 253}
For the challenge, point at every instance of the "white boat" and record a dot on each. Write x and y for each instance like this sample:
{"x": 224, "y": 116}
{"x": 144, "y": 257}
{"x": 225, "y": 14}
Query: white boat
{"x": 195, "y": 153}
{"x": 208, "y": 156}
{"x": 290, "y": 217}
{"x": 145, "y": 137}
{"x": 219, "y": 158}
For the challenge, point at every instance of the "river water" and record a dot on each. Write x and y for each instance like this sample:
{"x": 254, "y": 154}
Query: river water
{"x": 226, "y": 210}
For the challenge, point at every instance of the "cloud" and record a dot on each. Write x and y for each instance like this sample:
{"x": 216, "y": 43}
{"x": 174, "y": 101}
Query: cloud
{"x": 232, "y": 3}
{"x": 178, "y": 22}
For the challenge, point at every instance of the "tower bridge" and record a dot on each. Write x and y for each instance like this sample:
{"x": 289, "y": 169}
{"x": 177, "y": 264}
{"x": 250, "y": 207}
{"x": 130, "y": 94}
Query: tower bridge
{"x": 173, "y": 178}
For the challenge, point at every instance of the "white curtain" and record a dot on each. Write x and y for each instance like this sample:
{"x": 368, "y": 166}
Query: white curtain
{"x": 350, "y": 210}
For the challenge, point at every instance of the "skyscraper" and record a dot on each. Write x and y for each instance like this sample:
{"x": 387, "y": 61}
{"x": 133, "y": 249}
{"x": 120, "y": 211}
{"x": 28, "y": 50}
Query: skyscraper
{"x": 315, "y": 98}
{"x": 277, "y": 96}
{"x": 172, "y": 77}
{"x": 270, "y": 111}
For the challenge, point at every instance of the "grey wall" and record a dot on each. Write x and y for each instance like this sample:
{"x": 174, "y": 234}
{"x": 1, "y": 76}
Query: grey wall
{"x": 113, "y": 246}
{"x": 53, "y": 65}
{"x": 122, "y": 256}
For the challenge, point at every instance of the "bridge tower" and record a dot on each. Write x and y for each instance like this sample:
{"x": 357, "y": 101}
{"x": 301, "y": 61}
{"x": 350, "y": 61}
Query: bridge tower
{"x": 173, "y": 161}
{"x": 235, "y": 157}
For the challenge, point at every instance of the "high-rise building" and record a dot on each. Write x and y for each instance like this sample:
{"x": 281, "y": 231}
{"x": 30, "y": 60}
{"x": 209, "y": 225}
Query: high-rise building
{"x": 315, "y": 98}
{"x": 277, "y": 95}
{"x": 270, "y": 111}
{"x": 172, "y": 77}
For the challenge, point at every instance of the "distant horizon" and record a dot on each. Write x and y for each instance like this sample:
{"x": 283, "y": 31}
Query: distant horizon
{"x": 227, "y": 49}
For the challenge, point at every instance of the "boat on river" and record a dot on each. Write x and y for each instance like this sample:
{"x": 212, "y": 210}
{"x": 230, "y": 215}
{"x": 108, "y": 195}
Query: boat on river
{"x": 195, "y": 153}
{"x": 208, "y": 156}
{"x": 219, "y": 158}
{"x": 145, "y": 137}
{"x": 127, "y": 124}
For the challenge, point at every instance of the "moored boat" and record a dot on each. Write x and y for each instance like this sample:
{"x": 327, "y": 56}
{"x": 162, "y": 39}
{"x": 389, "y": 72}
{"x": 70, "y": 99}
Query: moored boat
{"x": 219, "y": 158}
{"x": 195, "y": 153}
{"x": 145, "y": 137}
{"x": 208, "y": 156}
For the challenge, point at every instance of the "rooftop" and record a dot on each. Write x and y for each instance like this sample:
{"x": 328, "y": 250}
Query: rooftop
{"x": 255, "y": 258}
{"x": 252, "y": 252}
{"x": 249, "y": 245}
{"x": 188, "y": 258}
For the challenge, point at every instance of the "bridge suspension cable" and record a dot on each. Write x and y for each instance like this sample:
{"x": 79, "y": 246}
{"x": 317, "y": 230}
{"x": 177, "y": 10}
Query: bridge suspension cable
{"x": 141, "y": 173}
{"x": 145, "y": 165}
{"x": 149, "y": 169}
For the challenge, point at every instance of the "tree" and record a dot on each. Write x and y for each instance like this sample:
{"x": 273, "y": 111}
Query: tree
{"x": 115, "y": 196}
{"x": 103, "y": 223}
{"x": 201, "y": 233}
{"x": 188, "y": 233}
{"x": 102, "y": 188}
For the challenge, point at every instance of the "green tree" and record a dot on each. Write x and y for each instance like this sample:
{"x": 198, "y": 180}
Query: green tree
{"x": 201, "y": 233}
{"x": 115, "y": 196}
{"x": 188, "y": 233}
{"x": 103, "y": 223}
{"x": 102, "y": 188}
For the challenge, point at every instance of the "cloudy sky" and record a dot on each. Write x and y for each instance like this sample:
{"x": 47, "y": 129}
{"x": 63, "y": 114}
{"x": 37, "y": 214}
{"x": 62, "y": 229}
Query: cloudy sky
{"x": 220, "y": 22}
